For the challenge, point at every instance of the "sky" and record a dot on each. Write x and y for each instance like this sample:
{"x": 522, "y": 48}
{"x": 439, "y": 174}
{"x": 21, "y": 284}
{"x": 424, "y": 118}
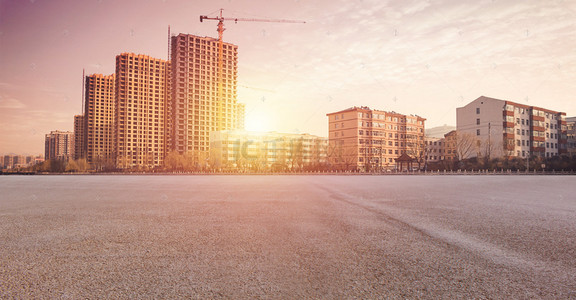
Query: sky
{"x": 413, "y": 57}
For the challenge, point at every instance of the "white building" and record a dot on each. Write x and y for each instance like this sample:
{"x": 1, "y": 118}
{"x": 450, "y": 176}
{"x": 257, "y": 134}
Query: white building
{"x": 505, "y": 128}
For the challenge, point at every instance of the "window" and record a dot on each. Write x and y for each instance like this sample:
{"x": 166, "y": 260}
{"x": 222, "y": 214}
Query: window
{"x": 477, "y": 121}
{"x": 477, "y": 131}
{"x": 477, "y": 110}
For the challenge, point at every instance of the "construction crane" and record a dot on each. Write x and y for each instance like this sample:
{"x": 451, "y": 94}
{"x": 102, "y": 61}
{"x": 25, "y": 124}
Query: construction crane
{"x": 220, "y": 30}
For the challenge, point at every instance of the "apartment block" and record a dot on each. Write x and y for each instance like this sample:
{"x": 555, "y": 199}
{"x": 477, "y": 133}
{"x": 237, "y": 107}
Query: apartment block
{"x": 99, "y": 114}
{"x": 364, "y": 139}
{"x": 59, "y": 145}
{"x": 571, "y": 136}
{"x": 142, "y": 100}
{"x": 204, "y": 93}
{"x": 508, "y": 129}
{"x": 267, "y": 151}
{"x": 79, "y": 148}
{"x": 435, "y": 149}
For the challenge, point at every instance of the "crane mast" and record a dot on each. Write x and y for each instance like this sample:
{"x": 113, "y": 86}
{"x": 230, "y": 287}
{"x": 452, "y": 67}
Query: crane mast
{"x": 220, "y": 29}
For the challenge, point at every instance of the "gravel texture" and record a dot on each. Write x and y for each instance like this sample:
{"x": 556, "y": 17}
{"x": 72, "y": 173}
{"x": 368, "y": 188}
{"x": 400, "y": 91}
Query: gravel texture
{"x": 288, "y": 237}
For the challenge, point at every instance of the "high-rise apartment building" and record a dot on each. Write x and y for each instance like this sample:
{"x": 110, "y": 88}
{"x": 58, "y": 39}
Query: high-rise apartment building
{"x": 507, "y": 129}
{"x": 364, "y": 139}
{"x": 59, "y": 145}
{"x": 79, "y": 148}
{"x": 199, "y": 105}
{"x": 99, "y": 113}
{"x": 142, "y": 99}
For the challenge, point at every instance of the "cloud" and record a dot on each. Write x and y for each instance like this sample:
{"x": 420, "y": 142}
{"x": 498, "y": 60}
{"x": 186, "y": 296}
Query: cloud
{"x": 11, "y": 103}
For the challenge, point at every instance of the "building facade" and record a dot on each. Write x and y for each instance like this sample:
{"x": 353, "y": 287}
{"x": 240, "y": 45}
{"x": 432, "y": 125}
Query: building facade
{"x": 269, "y": 151}
{"x": 79, "y": 138}
{"x": 571, "y": 136}
{"x": 435, "y": 149}
{"x": 99, "y": 114}
{"x": 142, "y": 99}
{"x": 9, "y": 162}
{"x": 364, "y": 139}
{"x": 507, "y": 129}
{"x": 59, "y": 145}
{"x": 204, "y": 96}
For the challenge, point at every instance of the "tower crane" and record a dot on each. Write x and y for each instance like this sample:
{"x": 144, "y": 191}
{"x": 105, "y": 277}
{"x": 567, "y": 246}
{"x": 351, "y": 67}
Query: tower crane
{"x": 220, "y": 30}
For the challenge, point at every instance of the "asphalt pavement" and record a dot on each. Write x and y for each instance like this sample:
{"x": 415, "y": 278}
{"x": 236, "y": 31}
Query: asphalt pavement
{"x": 288, "y": 237}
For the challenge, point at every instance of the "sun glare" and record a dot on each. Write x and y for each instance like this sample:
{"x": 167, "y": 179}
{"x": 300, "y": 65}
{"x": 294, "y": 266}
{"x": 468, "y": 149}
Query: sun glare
{"x": 259, "y": 122}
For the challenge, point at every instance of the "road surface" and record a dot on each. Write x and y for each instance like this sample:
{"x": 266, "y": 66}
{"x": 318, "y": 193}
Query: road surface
{"x": 288, "y": 237}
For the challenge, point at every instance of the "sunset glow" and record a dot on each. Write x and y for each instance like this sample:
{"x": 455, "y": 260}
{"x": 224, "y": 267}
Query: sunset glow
{"x": 416, "y": 57}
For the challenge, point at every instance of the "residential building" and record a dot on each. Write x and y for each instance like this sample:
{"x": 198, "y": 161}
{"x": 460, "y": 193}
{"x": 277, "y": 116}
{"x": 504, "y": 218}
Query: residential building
{"x": 99, "y": 114}
{"x": 451, "y": 146}
{"x": 435, "y": 149}
{"x": 79, "y": 148}
{"x": 504, "y": 128}
{"x": 204, "y": 93}
{"x": 8, "y": 162}
{"x": 571, "y": 136}
{"x": 13, "y": 161}
{"x": 364, "y": 139}
{"x": 59, "y": 145}
{"x": 267, "y": 151}
{"x": 142, "y": 100}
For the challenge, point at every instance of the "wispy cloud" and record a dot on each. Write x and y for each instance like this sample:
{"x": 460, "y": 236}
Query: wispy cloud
{"x": 11, "y": 103}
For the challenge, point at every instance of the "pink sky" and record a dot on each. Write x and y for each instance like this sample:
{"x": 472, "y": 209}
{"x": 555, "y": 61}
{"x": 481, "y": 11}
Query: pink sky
{"x": 412, "y": 57}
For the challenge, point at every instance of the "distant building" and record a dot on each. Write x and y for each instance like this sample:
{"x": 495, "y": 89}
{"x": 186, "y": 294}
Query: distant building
{"x": 79, "y": 148}
{"x": 435, "y": 149}
{"x": 204, "y": 93}
{"x": 269, "y": 151}
{"x": 99, "y": 114}
{"x": 142, "y": 99}
{"x": 59, "y": 145}
{"x": 8, "y": 162}
{"x": 366, "y": 139}
{"x": 11, "y": 161}
{"x": 571, "y": 136}
{"x": 508, "y": 129}
{"x": 450, "y": 146}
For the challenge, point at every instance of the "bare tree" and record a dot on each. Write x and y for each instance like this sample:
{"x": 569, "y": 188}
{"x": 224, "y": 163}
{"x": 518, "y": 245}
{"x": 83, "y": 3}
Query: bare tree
{"x": 465, "y": 144}
{"x": 416, "y": 148}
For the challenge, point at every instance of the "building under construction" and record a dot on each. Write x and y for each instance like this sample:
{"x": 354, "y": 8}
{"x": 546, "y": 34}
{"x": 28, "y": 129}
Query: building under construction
{"x": 199, "y": 104}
